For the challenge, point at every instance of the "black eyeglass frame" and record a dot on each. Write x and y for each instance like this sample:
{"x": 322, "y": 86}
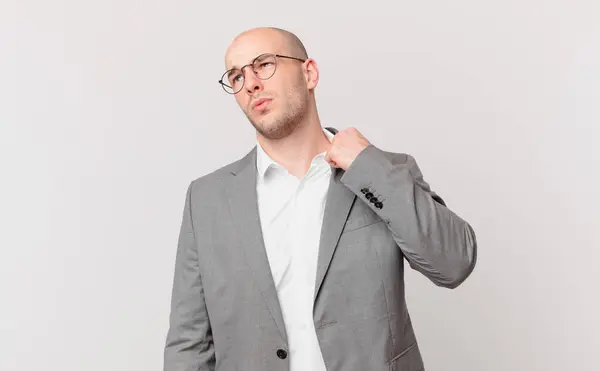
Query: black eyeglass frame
{"x": 224, "y": 85}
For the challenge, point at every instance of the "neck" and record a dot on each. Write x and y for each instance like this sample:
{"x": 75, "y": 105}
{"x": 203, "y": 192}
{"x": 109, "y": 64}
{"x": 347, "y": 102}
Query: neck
{"x": 296, "y": 151}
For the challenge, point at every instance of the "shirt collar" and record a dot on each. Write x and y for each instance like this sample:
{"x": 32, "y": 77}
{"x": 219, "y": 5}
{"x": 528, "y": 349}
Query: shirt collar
{"x": 264, "y": 161}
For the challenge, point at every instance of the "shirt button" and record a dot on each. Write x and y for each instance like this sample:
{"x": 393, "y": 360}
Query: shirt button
{"x": 282, "y": 354}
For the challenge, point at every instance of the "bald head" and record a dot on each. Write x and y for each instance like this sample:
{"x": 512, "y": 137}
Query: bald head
{"x": 295, "y": 46}
{"x": 276, "y": 40}
{"x": 279, "y": 96}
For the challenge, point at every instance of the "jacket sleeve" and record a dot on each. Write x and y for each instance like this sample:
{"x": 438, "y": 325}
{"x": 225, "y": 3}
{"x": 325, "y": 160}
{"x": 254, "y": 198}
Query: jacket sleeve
{"x": 434, "y": 240}
{"x": 189, "y": 344}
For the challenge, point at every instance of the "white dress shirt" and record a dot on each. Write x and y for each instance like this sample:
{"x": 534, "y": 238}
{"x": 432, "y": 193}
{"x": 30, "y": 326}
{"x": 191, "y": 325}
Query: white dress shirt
{"x": 291, "y": 214}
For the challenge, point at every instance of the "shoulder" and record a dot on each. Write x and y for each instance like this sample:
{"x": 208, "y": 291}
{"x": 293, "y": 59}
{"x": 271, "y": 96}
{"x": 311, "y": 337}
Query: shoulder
{"x": 215, "y": 180}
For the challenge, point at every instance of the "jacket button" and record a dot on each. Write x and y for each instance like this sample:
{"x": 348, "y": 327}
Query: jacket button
{"x": 281, "y": 353}
{"x": 369, "y": 195}
{"x": 374, "y": 200}
{"x": 364, "y": 190}
{"x": 379, "y": 205}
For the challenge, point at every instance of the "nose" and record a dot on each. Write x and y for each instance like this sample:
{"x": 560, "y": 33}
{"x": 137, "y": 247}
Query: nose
{"x": 251, "y": 82}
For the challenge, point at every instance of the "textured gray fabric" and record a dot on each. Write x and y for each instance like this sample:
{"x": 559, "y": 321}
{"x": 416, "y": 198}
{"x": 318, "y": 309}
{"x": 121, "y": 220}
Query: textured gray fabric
{"x": 224, "y": 312}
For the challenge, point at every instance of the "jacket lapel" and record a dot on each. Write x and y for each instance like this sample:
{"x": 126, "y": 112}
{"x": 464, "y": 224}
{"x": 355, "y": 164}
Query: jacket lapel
{"x": 337, "y": 208}
{"x": 243, "y": 204}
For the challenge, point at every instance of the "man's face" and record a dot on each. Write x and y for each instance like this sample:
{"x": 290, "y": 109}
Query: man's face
{"x": 286, "y": 92}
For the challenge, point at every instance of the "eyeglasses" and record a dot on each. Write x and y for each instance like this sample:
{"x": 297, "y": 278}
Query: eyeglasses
{"x": 264, "y": 67}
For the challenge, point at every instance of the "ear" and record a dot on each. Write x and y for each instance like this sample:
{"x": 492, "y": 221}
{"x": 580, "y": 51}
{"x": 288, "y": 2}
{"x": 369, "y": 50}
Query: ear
{"x": 311, "y": 73}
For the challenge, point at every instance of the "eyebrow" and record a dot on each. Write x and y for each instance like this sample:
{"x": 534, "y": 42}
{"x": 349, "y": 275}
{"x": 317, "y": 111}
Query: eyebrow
{"x": 232, "y": 71}
{"x": 237, "y": 68}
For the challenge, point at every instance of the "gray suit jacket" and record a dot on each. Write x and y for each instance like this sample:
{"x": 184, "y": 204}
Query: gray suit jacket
{"x": 225, "y": 314}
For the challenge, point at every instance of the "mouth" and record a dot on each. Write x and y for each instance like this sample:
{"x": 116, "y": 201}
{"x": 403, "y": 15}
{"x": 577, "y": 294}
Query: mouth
{"x": 260, "y": 104}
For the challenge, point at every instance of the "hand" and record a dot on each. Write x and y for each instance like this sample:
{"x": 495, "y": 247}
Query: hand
{"x": 346, "y": 145}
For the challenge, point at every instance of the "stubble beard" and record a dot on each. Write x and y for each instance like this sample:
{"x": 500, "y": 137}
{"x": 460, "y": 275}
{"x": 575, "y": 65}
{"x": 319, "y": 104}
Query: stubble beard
{"x": 278, "y": 126}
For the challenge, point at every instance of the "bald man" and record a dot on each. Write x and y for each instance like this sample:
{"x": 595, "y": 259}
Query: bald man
{"x": 292, "y": 257}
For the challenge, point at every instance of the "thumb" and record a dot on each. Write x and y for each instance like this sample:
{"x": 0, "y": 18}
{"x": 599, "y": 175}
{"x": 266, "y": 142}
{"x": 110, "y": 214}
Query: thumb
{"x": 329, "y": 160}
{"x": 328, "y": 153}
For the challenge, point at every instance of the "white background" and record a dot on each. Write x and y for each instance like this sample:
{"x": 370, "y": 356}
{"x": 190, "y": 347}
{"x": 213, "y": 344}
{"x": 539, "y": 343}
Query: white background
{"x": 108, "y": 109}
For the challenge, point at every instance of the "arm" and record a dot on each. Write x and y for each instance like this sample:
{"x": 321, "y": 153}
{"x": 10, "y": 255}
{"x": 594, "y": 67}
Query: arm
{"x": 189, "y": 344}
{"x": 434, "y": 240}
